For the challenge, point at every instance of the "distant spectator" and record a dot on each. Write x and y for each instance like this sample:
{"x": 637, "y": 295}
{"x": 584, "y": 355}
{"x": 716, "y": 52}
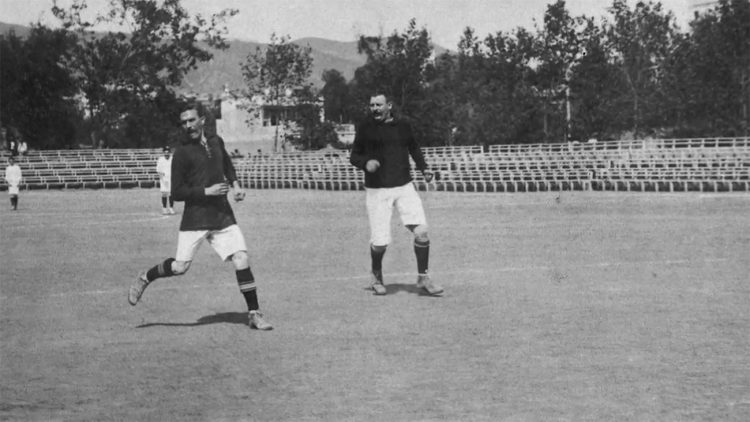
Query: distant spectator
{"x": 4, "y": 138}
{"x": 12, "y": 146}
{"x": 23, "y": 148}
{"x": 14, "y": 137}
{"x": 164, "y": 168}
{"x": 13, "y": 177}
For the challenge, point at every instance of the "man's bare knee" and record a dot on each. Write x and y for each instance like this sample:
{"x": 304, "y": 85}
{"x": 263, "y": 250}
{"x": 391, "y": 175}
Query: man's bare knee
{"x": 421, "y": 233}
{"x": 180, "y": 267}
{"x": 240, "y": 260}
{"x": 378, "y": 248}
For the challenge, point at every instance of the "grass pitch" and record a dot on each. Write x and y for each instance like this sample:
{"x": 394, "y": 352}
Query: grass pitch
{"x": 589, "y": 306}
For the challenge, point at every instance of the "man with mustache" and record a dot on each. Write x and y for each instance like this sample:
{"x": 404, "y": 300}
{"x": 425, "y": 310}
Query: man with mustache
{"x": 382, "y": 146}
{"x": 202, "y": 176}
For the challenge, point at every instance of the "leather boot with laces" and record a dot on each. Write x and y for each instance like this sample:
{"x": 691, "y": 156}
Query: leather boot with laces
{"x": 424, "y": 282}
{"x": 137, "y": 289}
{"x": 257, "y": 322}
{"x": 376, "y": 283}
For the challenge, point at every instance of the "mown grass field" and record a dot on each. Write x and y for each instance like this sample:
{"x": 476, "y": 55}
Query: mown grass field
{"x": 585, "y": 306}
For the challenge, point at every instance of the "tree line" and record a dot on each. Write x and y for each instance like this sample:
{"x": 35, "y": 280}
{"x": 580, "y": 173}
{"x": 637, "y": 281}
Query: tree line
{"x": 633, "y": 73}
{"x": 74, "y": 86}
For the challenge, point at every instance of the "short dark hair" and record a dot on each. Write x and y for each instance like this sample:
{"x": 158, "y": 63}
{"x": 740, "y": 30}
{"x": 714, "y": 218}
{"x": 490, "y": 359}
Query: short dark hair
{"x": 194, "y": 105}
{"x": 388, "y": 97}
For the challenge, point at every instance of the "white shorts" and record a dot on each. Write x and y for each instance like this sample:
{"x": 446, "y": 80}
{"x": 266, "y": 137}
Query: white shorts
{"x": 164, "y": 185}
{"x": 380, "y": 202}
{"x": 226, "y": 242}
{"x": 13, "y": 190}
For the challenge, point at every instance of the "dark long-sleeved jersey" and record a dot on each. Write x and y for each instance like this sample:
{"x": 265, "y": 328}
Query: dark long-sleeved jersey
{"x": 391, "y": 143}
{"x": 195, "y": 168}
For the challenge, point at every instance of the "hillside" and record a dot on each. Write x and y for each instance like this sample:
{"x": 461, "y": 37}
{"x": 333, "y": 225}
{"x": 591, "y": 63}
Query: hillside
{"x": 20, "y": 30}
{"x": 224, "y": 69}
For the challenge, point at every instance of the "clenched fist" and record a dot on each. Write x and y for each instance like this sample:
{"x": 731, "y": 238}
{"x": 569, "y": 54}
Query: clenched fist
{"x": 372, "y": 166}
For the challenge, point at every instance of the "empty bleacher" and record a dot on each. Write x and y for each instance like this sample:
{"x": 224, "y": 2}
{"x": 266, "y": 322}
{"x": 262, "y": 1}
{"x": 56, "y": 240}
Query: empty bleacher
{"x": 89, "y": 169}
{"x": 662, "y": 165}
{"x": 665, "y": 165}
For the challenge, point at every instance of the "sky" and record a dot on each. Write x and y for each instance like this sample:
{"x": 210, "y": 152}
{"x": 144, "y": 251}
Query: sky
{"x": 345, "y": 20}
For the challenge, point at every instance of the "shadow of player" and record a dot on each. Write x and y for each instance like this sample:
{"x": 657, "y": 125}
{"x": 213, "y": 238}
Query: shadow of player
{"x": 220, "y": 318}
{"x": 406, "y": 287}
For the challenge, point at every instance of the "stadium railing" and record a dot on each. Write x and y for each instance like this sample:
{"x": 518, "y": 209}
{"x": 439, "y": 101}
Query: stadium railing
{"x": 661, "y": 165}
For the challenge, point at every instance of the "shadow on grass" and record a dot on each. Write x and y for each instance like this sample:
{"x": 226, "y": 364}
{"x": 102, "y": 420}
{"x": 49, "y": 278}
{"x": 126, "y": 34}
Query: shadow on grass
{"x": 221, "y": 318}
{"x": 408, "y": 288}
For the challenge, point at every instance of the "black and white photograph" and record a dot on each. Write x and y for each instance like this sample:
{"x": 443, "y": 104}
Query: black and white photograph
{"x": 349, "y": 210}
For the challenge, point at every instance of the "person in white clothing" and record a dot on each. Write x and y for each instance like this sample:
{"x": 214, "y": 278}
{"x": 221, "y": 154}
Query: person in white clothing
{"x": 13, "y": 177}
{"x": 23, "y": 148}
{"x": 164, "y": 168}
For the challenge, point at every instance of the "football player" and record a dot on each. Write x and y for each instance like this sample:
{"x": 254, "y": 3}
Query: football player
{"x": 382, "y": 146}
{"x": 202, "y": 176}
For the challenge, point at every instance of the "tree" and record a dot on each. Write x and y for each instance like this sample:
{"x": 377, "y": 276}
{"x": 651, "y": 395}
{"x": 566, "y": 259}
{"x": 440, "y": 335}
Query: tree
{"x": 336, "y": 98}
{"x": 279, "y": 72}
{"x": 487, "y": 89}
{"x": 512, "y": 116}
{"x": 395, "y": 65}
{"x": 37, "y": 88}
{"x": 398, "y": 66}
{"x": 598, "y": 92}
{"x": 120, "y": 72}
{"x": 560, "y": 48}
{"x": 307, "y": 132}
{"x": 708, "y": 73}
{"x": 641, "y": 40}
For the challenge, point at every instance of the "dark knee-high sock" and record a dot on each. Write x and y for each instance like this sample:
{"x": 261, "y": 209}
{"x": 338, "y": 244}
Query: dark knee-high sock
{"x": 164, "y": 202}
{"x": 161, "y": 270}
{"x": 422, "y": 251}
{"x": 171, "y": 202}
{"x": 377, "y": 258}
{"x": 247, "y": 287}
{"x": 14, "y": 201}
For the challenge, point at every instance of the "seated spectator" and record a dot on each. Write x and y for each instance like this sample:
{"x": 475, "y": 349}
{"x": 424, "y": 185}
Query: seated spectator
{"x": 23, "y": 148}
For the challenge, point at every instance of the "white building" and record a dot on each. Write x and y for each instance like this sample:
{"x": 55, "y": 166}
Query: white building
{"x": 252, "y": 124}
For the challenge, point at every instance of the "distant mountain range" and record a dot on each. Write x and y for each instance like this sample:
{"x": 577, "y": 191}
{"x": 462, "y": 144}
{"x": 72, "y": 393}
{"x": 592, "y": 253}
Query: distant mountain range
{"x": 224, "y": 69}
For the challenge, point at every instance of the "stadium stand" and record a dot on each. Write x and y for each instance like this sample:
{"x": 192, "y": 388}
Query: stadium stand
{"x": 659, "y": 165}
{"x": 89, "y": 169}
